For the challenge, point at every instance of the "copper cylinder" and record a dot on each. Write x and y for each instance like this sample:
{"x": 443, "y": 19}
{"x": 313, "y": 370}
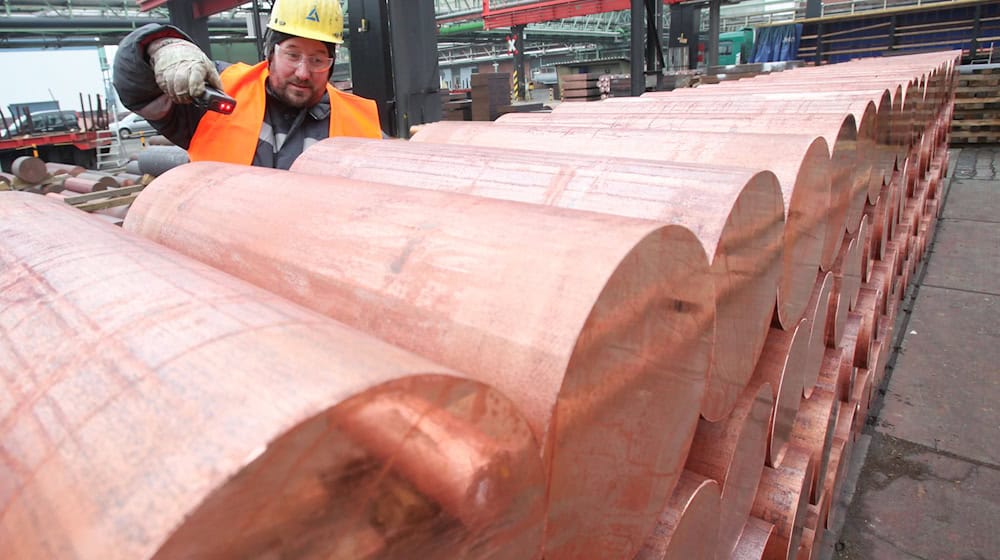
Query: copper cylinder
{"x": 63, "y": 168}
{"x": 744, "y": 244}
{"x": 801, "y": 163}
{"x": 842, "y": 136}
{"x": 780, "y": 367}
{"x": 753, "y": 540}
{"x": 178, "y": 413}
{"x": 831, "y": 483}
{"x": 440, "y": 273}
{"x": 816, "y": 311}
{"x": 869, "y": 313}
{"x": 689, "y": 523}
{"x": 782, "y": 499}
{"x": 864, "y": 240}
{"x": 83, "y": 184}
{"x": 862, "y": 396}
{"x": 732, "y": 453}
{"x": 806, "y": 545}
{"x": 857, "y": 345}
{"x": 29, "y": 169}
{"x": 837, "y": 374}
{"x": 881, "y": 277}
{"x": 813, "y": 432}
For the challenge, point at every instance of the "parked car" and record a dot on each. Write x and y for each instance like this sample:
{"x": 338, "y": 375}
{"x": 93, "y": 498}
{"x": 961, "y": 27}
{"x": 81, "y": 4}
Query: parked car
{"x": 42, "y": 122}
{"x": 132, "y": 125}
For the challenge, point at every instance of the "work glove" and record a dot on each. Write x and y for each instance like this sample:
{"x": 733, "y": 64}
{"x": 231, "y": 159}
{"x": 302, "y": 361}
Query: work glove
{"x": 182, "y": 69}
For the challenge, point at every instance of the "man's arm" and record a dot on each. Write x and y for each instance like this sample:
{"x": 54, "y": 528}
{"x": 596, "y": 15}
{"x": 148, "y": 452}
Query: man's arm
{"x": 135, "y": 80}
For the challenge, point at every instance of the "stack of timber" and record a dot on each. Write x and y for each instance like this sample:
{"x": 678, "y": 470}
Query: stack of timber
{"x": 658, "y": 337}
{"x": 977, "y": 105}
{"x": 490, "y": 91}
{"x": 456, "y": 106}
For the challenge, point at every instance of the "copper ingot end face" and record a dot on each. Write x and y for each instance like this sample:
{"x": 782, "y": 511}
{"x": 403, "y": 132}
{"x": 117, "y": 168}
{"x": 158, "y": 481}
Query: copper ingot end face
{"x": 847, "y": 421}
{"x": 816, "y": 311}
{"x": 29, "y": 169}
{"x": 213, "y": 422}
{"x": 869, "y": 313}
{"x": 813, "y": 432}
{"x": 862, "y": 396}
{"x": 881, "y": 278}
{"x": 753, "y": 540}
{"x": 732, "y": 452}
{"x": 836, "y": 376}
{"x": 439, "y": 277}
{"x": 801, "y": 163}
{"x": 864, "y": 258}
{"x": 805, "y": 550}
{"x": 846, "y": 170}
{"x": 744, "y": 245}
{"x": 834, "y": 475}
{"x": 780, "y": 366}
{"x": 836, "y": 314}
{"x": 782, "y": 499}
{"x": 396, "y": 474}
{"x": 688, "y": 525}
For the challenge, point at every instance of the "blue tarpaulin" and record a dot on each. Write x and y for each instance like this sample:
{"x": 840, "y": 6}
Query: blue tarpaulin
{"x": 777, "y": 43}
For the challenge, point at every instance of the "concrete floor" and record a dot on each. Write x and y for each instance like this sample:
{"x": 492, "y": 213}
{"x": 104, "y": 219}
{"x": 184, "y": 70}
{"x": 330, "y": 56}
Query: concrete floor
{"x": 925, "y": 483}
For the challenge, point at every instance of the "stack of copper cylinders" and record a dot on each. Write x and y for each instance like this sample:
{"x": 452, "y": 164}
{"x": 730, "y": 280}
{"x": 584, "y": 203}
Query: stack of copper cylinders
{"x": 641, "y": 328}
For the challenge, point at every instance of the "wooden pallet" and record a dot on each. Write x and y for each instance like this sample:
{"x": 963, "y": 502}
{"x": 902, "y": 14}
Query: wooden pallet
{"x": 100, "y": 200}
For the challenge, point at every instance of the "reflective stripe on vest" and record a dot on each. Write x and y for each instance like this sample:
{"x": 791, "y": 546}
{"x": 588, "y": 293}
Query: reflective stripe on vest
{"x": 233, "y": 138}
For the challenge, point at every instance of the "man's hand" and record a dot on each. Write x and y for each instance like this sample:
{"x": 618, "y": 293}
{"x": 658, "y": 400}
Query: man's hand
{"x": 182, "y": 69}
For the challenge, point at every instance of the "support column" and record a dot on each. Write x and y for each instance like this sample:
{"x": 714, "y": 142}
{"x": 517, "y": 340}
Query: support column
{"x": 520, "y": 83}
{"x": 182, "y": 17}
{"x": 637, "y": 47}
{"x": 714, "y": 24}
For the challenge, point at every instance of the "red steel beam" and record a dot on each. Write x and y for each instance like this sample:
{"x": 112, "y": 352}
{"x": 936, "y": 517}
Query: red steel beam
{"x": 548, "y": 10}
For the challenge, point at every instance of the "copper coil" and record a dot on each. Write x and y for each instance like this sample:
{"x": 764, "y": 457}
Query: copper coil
{"x": 732, "y": 452}
{"x": 813, "y": 432}
{"x": 440, "y": 273}
{"x": 744, "y": 245}
{"x": 782, "y": 499}
{"x": 754, "y": 539}
{"x": 850, "y": 152}
{"x": 780, "y": 366}
{"x": 195, "y": 430}
{"x": 688, "y": 526}
{"x": 801, "y": 163}
{"x": 837, "y": 374}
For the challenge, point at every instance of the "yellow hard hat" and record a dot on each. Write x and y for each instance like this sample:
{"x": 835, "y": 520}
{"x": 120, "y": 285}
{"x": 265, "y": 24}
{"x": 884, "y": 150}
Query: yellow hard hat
{"x": 322, "y": 20}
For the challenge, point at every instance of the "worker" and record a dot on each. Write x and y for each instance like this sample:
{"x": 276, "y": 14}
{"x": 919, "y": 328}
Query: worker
{"x": 283, "y": 104}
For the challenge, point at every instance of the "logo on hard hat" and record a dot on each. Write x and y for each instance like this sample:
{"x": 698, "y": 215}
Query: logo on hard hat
{"x": 313, "y": 15}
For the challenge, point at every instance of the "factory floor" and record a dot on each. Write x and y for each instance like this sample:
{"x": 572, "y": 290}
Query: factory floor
{"x": 925, "y": 478}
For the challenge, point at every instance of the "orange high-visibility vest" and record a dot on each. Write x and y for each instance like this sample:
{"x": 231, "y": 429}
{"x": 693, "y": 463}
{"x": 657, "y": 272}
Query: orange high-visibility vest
{"x": 233, "y": 138}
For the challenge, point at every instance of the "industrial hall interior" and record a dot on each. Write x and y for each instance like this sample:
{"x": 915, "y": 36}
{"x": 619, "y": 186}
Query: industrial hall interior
{"x": 500, "y": 280}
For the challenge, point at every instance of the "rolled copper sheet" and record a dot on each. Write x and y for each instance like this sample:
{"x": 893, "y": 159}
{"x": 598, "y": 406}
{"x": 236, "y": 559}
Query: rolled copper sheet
{"x": 837, "y": 374}
{"x": 688, "y": 525}
{"x": 753, "y": 540}
{"x": 816, "y": 312}
{"x": 732, "y": 452}
{"x": 813, "y": 433}
{"x": 178, "y": 412}
{"x": 782, "y": 499}
{"x": 849, "y": 150}
{"x": 29, "y": 169}
{"x": 600, "y": 331}
{"x": 744, "y": 245}
{"x": 780, "y": 366}
{"x": 801, "y": 163}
